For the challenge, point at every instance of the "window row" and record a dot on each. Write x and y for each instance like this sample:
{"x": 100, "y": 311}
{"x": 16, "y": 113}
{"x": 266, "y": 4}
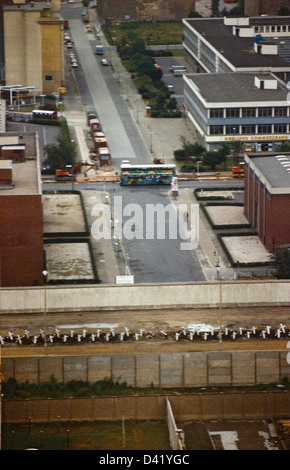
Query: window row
{"x": 272, "y": 29}
{"x": 249, "y": 129}
{"x": 267, "y": 111}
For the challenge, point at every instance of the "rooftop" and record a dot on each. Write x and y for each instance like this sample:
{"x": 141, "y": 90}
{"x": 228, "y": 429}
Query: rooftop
{"x": 237, "y": 87}
{"x": 239, "y": 50}
{"x": 25, "y": 178}
{"x": 274, "y": 167}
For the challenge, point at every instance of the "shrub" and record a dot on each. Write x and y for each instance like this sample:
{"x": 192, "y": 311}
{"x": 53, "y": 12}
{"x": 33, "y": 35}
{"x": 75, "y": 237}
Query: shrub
{"x": 179, "y": 155}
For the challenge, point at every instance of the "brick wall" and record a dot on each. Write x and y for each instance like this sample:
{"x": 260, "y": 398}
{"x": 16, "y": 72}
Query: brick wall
{"x": 269, "y": 213}
{"x": 148, "y": 10}
{"x": 21, "y": 240}
{"x": 260, "y": 7}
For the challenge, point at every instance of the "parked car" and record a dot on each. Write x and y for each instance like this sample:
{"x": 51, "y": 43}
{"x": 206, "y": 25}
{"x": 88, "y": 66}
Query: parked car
{"x": 105, "y": 62}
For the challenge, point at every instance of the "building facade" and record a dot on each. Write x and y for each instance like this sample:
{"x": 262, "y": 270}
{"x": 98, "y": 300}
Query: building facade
{"x": 221, "y": 45}
{"x": 21, "y": 214}
{"x": 246, "y": 107}
{"x": 33, "y": 45}
{"x": 267, "y": 197}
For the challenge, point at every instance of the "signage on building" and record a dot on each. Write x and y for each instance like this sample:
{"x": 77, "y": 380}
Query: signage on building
{"x": 258, "y": 137}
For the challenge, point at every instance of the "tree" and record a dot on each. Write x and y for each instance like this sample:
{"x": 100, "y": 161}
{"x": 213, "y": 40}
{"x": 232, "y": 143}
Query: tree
{"x": 191, "y": 149}
{"x": 215, "y": 7}
{"x": 236, "y": 148}
{"x": 212, "y": 159}
{"x": 281, "y": 262}
{"x": 284, "y": 147}
{"x": 59, "y": 154}
{"x": 224, "y": 150}
{"x": 144, "y": 64}
{"x": 138, "y": 47}
{"x": 160, "y": 101}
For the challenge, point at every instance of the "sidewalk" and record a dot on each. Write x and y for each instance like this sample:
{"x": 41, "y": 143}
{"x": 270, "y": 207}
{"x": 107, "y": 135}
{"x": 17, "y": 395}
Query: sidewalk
{"x": 209, "y": 252}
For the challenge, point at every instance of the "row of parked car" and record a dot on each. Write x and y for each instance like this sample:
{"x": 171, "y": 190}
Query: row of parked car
{"x": 69, "y": 46}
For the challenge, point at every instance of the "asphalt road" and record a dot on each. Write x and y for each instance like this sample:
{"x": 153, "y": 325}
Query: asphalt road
{"x": 100, "y": 93}
{"x": 160, "y": 258}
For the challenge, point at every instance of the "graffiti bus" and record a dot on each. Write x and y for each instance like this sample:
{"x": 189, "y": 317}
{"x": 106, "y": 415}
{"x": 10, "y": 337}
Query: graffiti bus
{"x": 134, "y": 175}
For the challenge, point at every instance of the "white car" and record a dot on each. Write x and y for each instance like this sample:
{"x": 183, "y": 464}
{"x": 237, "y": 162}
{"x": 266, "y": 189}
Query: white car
{"x": 105, "y": 62}
{"x": 74, "y": 64}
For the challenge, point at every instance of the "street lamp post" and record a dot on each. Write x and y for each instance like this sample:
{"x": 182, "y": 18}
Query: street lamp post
{"x": 45, "y": 307}
{"x": 197, "y": 163}
{"x": 218, "y": 268}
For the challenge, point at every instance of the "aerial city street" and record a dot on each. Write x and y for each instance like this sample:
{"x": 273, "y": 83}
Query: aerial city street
{"x": 123, "y": 258}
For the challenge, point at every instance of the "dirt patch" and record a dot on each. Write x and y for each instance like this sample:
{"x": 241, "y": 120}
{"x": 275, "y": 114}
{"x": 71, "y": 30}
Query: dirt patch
{"x": 227, "y": 215}
{"x": 247, "y": 249}
{"x": 62, "y": 213}
{"x": 69, "y": 261}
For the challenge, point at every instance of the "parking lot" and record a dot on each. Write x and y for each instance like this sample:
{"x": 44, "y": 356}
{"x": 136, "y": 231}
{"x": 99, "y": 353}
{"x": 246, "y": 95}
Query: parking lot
{"x": 169, "y": 78}
{"x": 46, "y": 134}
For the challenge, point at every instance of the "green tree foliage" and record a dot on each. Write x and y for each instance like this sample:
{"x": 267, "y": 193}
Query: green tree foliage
{"x": 191, "y": 149}
{"x": 215, "y": 7}
{"x": 212, "y": 159}
{"x": 59, "y": 154}
{"x": 281, "y": 262}
{"x": 138, "y": 47}
{"x": 283, "y": 147}
{"x": 224, "y": 149}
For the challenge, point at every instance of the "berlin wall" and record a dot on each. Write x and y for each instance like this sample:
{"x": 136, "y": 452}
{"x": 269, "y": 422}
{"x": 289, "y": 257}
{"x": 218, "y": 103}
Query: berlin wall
{"x": 143, "y": 296}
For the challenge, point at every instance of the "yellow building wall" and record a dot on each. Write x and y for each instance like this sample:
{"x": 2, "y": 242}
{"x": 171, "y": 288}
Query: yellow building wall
{"x": 52, "y": 56}
{"x": 22, "y": 48}
{"x": 34, "y": 48}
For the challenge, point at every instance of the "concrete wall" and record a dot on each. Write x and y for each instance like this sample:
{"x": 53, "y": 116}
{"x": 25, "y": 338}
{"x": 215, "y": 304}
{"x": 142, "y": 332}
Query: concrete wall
{"x": 98, "y": 297}
{"x": 238, "y": 405}
{"x": 165, "y": 370}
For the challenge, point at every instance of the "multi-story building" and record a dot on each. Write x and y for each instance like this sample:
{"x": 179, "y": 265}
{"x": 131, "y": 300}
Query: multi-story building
{"x": 251, "y": 108}
{"x": 21, "y": 213}
{"x": 221, "y": 45}
{"x": 32, "y": 45}
{"x": 267, "y": 196}
{"x": 240, "y": 91}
